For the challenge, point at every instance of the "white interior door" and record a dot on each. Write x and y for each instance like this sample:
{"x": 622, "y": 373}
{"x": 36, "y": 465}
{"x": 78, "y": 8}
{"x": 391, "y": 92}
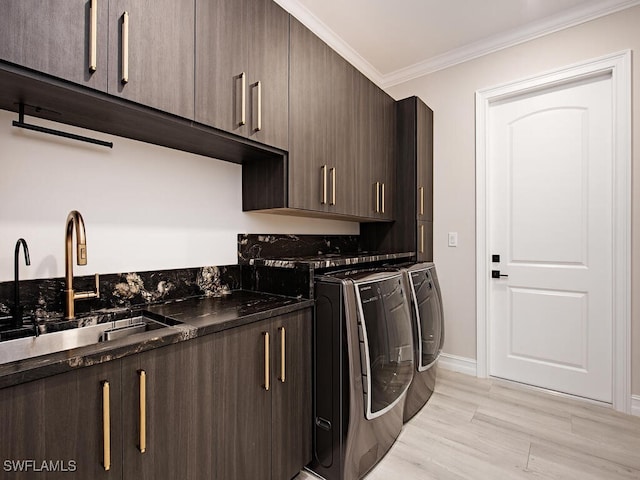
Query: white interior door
{"x": 550, "y": 220}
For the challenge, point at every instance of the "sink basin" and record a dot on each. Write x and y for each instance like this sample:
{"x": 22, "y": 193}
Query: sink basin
{"x": 29, "y": 347}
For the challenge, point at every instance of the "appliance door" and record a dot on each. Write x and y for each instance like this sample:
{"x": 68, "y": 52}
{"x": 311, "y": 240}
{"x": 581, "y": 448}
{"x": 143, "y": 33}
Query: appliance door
{"x": 428, "y": 316}
{"x": 386, "y": 343}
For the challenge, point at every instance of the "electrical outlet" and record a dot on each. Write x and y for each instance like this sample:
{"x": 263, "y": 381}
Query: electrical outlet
{"x": 453, "y": 239}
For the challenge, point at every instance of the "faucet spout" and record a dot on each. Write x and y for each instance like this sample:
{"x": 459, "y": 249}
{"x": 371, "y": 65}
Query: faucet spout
{"x": 16, "y": 321}
{"x": 75, "y": 222}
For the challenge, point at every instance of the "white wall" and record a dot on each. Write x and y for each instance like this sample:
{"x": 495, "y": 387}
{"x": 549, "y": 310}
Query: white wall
{"x": 145, "y": 207}
{"x": 450, "y": 93}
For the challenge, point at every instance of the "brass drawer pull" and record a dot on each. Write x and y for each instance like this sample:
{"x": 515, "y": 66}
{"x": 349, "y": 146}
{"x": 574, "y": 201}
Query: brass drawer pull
{"x": 333, "y": 186}
{"x": 323, "y": 193}
{"x": 243, "y": 99}
{"x": 282, "y": 354}
{"x": 259, "y": 122}
{"x": 421, "y": 200}
{"x": 106, "y": 427}
{"x": 143, "y": 411}
{"x": 125, "y": 47}
{"x": 382, "y": 209}
{"x": 93, "y": 34}
{"x": 377, "y": 187}
{"x": 266, "y": 360}
{"x": 421, "y": 238}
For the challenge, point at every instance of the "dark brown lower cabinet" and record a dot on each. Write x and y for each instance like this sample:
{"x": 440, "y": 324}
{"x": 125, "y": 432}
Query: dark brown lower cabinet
{"x": 231, "y": 405}
{"x": 162, "y": 424}
{"x": 55, "y": 428}
{"x": 264, "y": 418}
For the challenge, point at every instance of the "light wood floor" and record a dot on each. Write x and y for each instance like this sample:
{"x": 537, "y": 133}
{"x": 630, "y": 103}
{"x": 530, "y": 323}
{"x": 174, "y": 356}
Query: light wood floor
{"x": 476, "y": 429}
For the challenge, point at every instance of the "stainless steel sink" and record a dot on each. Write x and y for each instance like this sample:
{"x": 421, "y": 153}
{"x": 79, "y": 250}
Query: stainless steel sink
{"x": 29, "y": 347}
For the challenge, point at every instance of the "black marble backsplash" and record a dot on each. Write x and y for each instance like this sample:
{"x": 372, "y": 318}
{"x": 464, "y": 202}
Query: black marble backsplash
{"x": 43, "y": 298}
{"x": 253, "y": 246}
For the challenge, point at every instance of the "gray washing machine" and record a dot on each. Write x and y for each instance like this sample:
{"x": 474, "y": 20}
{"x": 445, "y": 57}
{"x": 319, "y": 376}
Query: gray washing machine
{"x": 428, "y": 332}
{"x": 363, "y": 366}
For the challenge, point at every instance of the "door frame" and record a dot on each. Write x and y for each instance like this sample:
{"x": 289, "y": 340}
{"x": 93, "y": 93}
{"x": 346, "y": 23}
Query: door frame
{"x": 619, "y": 66}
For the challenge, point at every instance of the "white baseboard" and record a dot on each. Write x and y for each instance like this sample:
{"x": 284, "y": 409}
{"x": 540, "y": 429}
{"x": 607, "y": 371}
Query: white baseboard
{"x": 458, "y": 364}
{"x": 635, "y": 405}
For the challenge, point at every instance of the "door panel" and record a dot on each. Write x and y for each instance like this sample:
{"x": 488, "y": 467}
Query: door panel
{"x": 551, "y": 222}
{"x": 53, "y": 37}
{"x": 160, "y": 54}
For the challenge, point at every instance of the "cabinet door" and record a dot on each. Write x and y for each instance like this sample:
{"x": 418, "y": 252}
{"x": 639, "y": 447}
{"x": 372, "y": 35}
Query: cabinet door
{"x": 292, "y": 394}
{"x": 59, "y": 420}
{"x": 424, "y": 153}
{"x": 54, "y": 37}
{"x": 221, "y": 59}
{"x": 340, "y": 139}
{"x": 425, "y": 241}
{"x": 366, "y": 172}
{"x": 168, "y": 377}
{"x": 308, "y": 120}
{"x": 268, "y": 51}
{"x": 159, "y": 55}
{"x": 243, "y": 420}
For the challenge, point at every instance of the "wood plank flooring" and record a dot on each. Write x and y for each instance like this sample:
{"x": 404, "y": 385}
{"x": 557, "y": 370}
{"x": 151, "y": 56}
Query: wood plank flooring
{"x": 476, "y": 429}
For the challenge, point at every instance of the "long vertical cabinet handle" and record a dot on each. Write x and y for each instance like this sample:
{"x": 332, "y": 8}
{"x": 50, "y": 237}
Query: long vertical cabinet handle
{"x": 243, "y": 99}
{"x": 382, "y": 190}
{"x": 259, "y": 121}
{"x": 266, "y": 360}
{"x": 93, "y": 36}
{"x": 421, "y": 238}
{"x": 106, "y": 427}
{"x": 125, "y": 47}
{"x": 143, "y": 410}
{"x": 377, "y": 185}
{"x": 283, "y": 357}
{"x": 323, "y": 193}
{"x": 333, "y": 186}
{"x": 421, "y": 201}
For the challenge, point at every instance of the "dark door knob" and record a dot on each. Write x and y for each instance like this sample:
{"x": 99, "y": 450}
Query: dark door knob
{"x": 496, "y": 274}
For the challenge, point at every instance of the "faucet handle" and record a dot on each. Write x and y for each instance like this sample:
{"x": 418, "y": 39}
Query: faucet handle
{"x": 85, "y": 295}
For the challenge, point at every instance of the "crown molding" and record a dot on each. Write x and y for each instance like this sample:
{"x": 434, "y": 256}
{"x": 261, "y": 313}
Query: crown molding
{"x": 508, "y": 39}
{"x": 492, "y": 44}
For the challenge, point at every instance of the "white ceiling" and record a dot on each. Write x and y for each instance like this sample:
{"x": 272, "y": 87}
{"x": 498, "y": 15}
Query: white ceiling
{"x": 392, "y": 41}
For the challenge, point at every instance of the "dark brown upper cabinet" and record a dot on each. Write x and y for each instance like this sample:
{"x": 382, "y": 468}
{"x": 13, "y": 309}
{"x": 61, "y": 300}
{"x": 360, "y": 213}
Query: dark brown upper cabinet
{"x": 151, "y": 45}
{"x": 63, "y": 38}
{"x": 321, "y": 163}
{"x": 341, "y": 141}
{"x": 412, "y": 230}
{"x": 242, "y": 63}
{"x": 375, "y": 135}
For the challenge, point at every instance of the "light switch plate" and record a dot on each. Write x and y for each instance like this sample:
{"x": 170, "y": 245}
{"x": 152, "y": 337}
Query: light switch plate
{"x": 453, "y": 239}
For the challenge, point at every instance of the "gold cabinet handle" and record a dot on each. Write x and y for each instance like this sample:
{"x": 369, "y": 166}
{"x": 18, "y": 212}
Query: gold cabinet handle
{"x": 323, "y": 193}
{"x": 125, "y": 47}
{"x": 421, "y": 200}
{"x": 266, "y": 360}
{"x": 243, "y": 99}
{"x": 282, "y": 353}
{"x": 93, "y": 35}
{"x": 259, "y": 92}
{"x": 382, "y": 188}
{"x": 106, "y": 427}
{"x": 377, "y": 186}
{"x": 143, "y": 410}
{"x": 421, "y": 238}
{"x": 333, "y": 186}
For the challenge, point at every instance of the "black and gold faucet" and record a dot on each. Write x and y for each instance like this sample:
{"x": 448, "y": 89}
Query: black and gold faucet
{"x": 16, "y": 314}
{"x": 74, "y": 219}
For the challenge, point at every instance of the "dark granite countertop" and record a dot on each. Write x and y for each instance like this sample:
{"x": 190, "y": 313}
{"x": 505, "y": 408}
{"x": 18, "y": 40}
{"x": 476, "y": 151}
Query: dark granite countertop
{"x": 329, "y": 260}
{"x": 213, "y": 314}
{"x": 200, "y": 316}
